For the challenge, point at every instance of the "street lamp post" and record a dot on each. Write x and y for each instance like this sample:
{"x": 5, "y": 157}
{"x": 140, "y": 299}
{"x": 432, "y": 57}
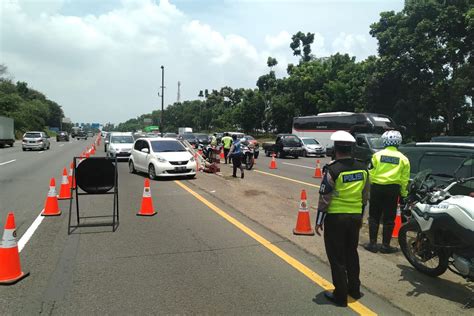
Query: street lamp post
{"x": 162, "y": 98}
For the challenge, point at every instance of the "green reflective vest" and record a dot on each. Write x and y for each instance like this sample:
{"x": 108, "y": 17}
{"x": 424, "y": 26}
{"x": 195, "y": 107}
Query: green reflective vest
{"x": 389, "y": 166}
{"x": 227, "y": 141}
{"x": 347, "y": 195}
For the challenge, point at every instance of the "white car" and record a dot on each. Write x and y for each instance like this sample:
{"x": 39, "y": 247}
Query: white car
{"x": 312, "y": 147}
{"x": 120, "y": 145}
{"x": 162, "y": 157}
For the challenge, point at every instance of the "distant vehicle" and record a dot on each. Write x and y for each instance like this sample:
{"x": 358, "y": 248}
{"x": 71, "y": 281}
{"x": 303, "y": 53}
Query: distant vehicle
{"x": 35, "y": 140}
{"x": 322, "y": 126}
{"x": 184, "y": 130}
{"x": 162, "y": 157}
{"x": 7, "y": 131}
{"x": 253, "y": 144}
{"x": 90, "y": 134}
{"x": 170, "y": 135}
{"x": 285, "y": 145}
{"x": 453, "y": 139}
{"x": 312, "y": 147}
{"x": 62, "y": 136}
{"x": 366, "y": 145}
{"x": 190, "y": 138}
{"x": 81, "y": 134}
{"x": 74, "y": 131}
{"x": 203, "y": 139}
{"x": 446, "y": 161}
{"x": 120, "y": 145}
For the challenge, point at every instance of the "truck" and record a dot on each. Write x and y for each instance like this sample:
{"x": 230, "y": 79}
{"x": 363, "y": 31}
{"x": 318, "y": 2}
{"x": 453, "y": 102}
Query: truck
{"x": 184, "y": 130}
{"x": 285, "y": 145}
{"x": 7, "y": 131}
{"x": 74, "y": 131}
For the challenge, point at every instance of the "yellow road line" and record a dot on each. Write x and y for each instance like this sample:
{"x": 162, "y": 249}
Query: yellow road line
{"x": 288, "y": 179}
{"x": 310, "y": 274}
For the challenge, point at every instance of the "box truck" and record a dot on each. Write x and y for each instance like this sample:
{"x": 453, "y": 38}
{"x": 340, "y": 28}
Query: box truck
{"x": 7, "y": 131}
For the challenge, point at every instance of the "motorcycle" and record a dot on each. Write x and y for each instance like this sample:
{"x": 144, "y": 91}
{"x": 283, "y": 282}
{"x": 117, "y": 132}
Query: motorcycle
{"x": 438, "y": 229}
{"x": 248, "y": 155}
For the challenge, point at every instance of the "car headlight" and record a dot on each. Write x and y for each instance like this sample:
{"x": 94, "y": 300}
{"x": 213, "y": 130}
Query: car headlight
{"x": 111, "y": 148}
{"x": 192, "y": 159}
{"x": 162, "y": 160}
{"x": 286, "y": 148}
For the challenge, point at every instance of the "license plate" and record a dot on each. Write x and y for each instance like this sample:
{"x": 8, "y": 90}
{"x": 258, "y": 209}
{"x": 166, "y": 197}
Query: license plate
{"x": 179, "y": 168}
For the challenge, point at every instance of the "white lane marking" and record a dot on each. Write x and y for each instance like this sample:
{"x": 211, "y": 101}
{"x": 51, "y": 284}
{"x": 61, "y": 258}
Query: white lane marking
{"x": 61, "y": 145}
{"x": 29, "y": 232}
{"x": 7, "y": 162}
{"x": 41, "y": 152}
{"x": 301, "y": 166}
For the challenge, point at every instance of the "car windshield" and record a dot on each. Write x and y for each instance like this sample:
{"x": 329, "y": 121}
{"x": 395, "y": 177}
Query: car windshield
{"x": 32, "y": 135}
{"x": 310, "y": 141}
{"x": 202, "y": 136}
{"x": 122, "y": 139}
{"x": 248, "y": 137}
{"x": 376, "y": 142}
{"x": 189, "y": 136}
{"x": 167, "y": 146}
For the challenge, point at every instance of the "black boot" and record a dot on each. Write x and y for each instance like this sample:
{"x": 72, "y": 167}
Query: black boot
{"x": 386, "y": 237}
{"x": 373, "y": 232}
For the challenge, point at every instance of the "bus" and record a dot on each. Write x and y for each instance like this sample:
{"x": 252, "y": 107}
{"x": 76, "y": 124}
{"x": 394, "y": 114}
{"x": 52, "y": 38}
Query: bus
{"x": 321, "y": 126}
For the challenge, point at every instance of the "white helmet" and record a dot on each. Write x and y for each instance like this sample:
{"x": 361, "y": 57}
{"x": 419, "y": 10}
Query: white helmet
{"x": 391, "y": 138}
{"x": 342, "y": 136}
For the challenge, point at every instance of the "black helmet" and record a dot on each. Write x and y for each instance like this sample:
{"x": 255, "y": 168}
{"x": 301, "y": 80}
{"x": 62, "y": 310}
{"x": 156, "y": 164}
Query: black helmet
{"x": 234, "y": 136}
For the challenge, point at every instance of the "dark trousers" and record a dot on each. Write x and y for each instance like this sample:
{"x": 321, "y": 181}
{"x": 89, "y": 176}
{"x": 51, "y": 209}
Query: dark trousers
{"x": 341, "y": 238}
{"x": 226, "y": 152}
{"x": 383, "y": 206}
{"x": 236, "y": 163}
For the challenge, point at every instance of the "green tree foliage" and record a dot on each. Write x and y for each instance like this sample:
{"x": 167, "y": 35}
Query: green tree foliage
{"x": 30, "y": 109}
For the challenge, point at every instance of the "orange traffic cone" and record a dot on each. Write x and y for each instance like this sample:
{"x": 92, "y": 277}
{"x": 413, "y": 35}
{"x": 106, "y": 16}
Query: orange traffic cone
{"x": 71, "y": 179}
{"x": 221, "y": 156}
{"x": 317, "y": 173}
{"x": 92, "y": 150}
{"x": 303, "y": 223}
{"x": 273, "y": 163}
{"x": 65, "y": 190}
{"x": 147, "y": 202}
{"x": 10, "y": 266}
{"x": 51, "y": 207}
{"x": 398, "y": 223}
{"x": 87, "y": 155}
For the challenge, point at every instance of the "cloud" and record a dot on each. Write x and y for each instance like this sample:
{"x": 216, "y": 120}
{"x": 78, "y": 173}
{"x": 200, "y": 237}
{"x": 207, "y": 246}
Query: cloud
{"x": 282, "y": 39}
{"x": 352, "y": 44}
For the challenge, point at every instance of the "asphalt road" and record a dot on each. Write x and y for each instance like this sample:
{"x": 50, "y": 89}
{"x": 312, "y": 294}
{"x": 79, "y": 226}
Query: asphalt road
{"x": 196, "y": 256}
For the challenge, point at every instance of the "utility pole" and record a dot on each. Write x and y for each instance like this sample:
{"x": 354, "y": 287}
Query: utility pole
{"x": 179, "y": 91}
{"x": 162, "y": 98}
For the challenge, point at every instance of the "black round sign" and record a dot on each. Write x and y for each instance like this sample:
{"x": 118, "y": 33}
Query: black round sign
{"x": 95, "y": 175}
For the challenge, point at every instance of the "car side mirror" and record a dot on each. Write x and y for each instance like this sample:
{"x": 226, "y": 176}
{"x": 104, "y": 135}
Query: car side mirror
{"x": 145, "y": 150}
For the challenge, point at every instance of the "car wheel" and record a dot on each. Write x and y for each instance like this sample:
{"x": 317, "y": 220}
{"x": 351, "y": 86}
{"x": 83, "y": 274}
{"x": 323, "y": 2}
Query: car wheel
{"x": 305, "y": 153}
{"x": 131, "y": 167}
{"x": 24, "y": 149}
{"x": 151, "y": 172}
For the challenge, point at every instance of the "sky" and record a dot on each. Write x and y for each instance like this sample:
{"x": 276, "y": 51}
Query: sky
{"x": 100, "y": 59}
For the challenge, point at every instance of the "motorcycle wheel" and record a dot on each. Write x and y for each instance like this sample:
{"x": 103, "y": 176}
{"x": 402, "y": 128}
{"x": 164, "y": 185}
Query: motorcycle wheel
{"x": 249, "y": 161}
{"x": 419, "y": 252}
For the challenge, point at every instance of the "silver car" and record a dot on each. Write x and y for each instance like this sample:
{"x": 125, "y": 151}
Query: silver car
{"x": 35, "y": 140}
{"x": 312, "y": 147}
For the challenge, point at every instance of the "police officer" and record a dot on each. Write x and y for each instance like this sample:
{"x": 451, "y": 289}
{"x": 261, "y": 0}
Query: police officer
{"x": 389, "y": 174}
{"x": 227, "y": 141}
{"x": 343, "y": 195}
{"x": 236, "y": 153}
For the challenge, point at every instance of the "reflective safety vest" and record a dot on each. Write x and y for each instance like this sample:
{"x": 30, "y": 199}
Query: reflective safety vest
{"x": 350, "y": 177}
{"x": 389, "y": 166}
{"x": 227, "y": 140}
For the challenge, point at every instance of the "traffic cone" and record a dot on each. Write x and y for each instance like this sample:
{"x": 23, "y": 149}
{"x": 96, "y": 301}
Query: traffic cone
{"x": 147, "y": 202}
{"x": 303, "y": 223}
{"x": 92, "y": 149}
{"x": 71, "y": 179}
{"x": 65, "y": 190}
{"x": 51, "y": 207}
{"x": 317, "y": 173}
{"x": 273, "y": 164}
{"x": 10, "y": 266}
{"x": 87, "y": 155}
{"x": 398, "y": 223}
{"x": 221, "y": 156}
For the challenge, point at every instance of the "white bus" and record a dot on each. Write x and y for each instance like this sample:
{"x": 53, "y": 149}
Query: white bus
{"x": 321, "y": 126}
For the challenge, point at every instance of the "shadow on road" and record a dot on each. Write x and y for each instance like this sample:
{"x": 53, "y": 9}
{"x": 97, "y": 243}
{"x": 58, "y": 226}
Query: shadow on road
{"x": 445, "y": 289}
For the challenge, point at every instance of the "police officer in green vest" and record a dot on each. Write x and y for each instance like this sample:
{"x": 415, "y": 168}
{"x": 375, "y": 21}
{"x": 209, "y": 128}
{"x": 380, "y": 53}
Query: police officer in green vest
{"x": 389, "y": 174}
{"x": 342, "y": 198}
{"x": 227, "y": 141}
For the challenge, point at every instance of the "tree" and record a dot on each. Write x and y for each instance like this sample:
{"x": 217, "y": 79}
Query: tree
{"x": 271, "y": 62}
{"x": 301, "y": 45}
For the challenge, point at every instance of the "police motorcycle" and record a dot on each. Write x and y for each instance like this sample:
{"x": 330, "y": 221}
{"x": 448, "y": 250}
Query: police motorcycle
{"x": 248, "y": 154}
{"x": 438, "y": 229}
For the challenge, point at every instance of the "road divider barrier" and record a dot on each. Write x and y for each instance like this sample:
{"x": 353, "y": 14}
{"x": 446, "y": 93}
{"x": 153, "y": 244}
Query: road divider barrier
{"x": 10, "y": 265}
{"x": 317, "y": 172}
{"x": 51, "y": 207}
{"x": 147, "y": 202}
{"x": 273, "y": 164}
{"x": 65, "y": 189}
{"x": 303, "y": 222}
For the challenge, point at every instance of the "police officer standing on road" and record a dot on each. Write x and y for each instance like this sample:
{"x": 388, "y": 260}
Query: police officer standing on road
{"x": 227, "y": 141}
{"x": 236, "y": 153}
{"x": 389, "y": 175}
{"x": 343, "y": 195}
